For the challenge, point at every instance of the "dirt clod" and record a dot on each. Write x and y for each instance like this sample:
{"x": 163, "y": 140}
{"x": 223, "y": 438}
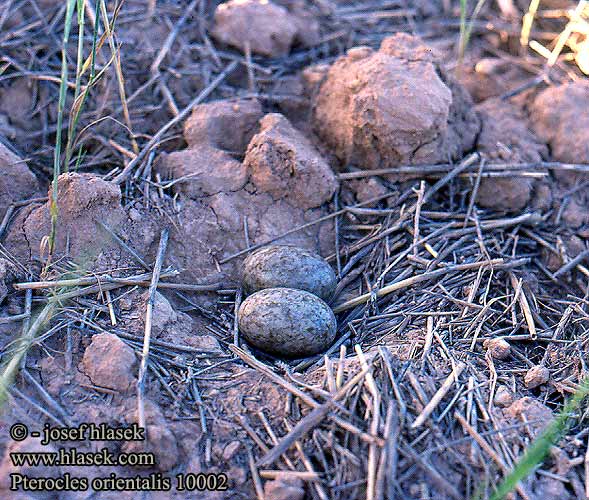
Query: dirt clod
{"x": 83, "y": 199}
{"x": 17, "y": 182}
{"x": 209, "y": 123}
{"x": 109, "y": 362}
{"x": 204, "y": 171}
{"x": 505, "y": 138}
{"x": 267, "y": 28}
{"x": 536, "y": 376}
{"x": 531, "y": 411}
{"x": 395, "y": 106}
{"x": 557, "y": 119}
{"x": 286, "y": 183}
{"x": 284, "y": 487}
{"x": 284, "y": 164}
{"x": 498, "y": 348}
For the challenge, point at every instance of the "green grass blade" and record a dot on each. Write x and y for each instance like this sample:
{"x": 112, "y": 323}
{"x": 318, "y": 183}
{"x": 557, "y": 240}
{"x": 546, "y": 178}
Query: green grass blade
{"x": 11, "y": 367}
{"x": 540, "y": 448}
{"x": 69, "y": 13}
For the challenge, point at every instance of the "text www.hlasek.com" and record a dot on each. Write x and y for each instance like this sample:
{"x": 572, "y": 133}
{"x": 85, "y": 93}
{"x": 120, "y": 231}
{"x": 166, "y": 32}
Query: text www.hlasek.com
{"x": 73, "y": 457}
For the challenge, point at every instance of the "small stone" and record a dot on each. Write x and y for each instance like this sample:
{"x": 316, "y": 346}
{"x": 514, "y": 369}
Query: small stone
{"x": 536, "y": 376}
{"x": 284, "y": 487}
{"x": 230, "y": 450}
{"x": 503, "y": 397}
{"x": 268, "y": 29}
{"x": 163, "y": 313}
{"x": 498, "y": 348}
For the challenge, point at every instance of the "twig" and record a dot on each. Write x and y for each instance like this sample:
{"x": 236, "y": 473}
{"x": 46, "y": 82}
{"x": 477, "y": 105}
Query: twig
{"x": 495, "y": 264}
{"x": 148, "y": 322}
{"x": 438, "y": 396}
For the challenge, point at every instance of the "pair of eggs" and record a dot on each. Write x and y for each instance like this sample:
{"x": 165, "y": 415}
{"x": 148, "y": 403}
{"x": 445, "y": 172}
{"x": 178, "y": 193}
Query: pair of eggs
{"x": 285, "y": 312}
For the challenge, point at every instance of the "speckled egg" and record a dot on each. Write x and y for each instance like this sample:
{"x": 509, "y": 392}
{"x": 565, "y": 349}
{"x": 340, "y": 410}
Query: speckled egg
{"x": 287, "y": 322}
{"x": 281, "y": 266}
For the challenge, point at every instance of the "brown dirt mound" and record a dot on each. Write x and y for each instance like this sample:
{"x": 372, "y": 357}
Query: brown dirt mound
{"x": 284, "y": 164}
{"x": 559, "y": 117}
{"x": 210, "y": 123}
{"x": 269, "y": 29}
{"x": 84, "y": 199}
{"x": 505, "y": 137}
{"x": 17, "y": 182}
{"x": 395, "y": 106}
{"x": 281, "y": 184}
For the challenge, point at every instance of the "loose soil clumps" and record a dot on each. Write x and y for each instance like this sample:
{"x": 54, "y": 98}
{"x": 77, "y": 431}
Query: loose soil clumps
{"x": 267, "y": 28}
{"x": 228, "y": 125}
{"x": 505, "y": 138}
{"x": 395, "y": 106}
{"x": 227, "y": 204}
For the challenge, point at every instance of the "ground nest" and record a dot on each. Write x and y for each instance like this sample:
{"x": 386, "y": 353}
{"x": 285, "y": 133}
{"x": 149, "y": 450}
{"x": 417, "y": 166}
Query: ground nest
{"x": 450, "y": 200}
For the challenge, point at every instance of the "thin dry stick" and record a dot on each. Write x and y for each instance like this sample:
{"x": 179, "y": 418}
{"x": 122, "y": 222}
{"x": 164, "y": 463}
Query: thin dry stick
{"x": 311, "y": 420}
{"x": 495, "y": 263}
{"x": 420, "y": 194}
{"x": 90, "y": 280}
{"x": 308, "y": 465}
{"x": 372, "y": 450}
{"x": 148, "y": 322}
{"x": 119, "y": 72}
{"x": 436, "y": 170}
{"x": 525, "y": 306}
{"x": 489, "y": 450}
{"x": 305, "y": 476}
{"x": 438, "y": 396}
{"x": 255, "y": 476}
{"x": 100, "y": 287}
{"x": 236, "y": 317}
{"x": 586, "y": 464}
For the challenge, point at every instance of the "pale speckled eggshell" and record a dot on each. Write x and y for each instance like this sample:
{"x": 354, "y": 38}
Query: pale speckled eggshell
{"x": 287, "y": 322}
{"x": 281, "y": 266}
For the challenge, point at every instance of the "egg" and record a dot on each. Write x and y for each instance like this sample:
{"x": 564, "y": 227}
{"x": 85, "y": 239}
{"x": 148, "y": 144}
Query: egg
{"x": 281, "y": 266}
{"x": 287, "y": 322}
